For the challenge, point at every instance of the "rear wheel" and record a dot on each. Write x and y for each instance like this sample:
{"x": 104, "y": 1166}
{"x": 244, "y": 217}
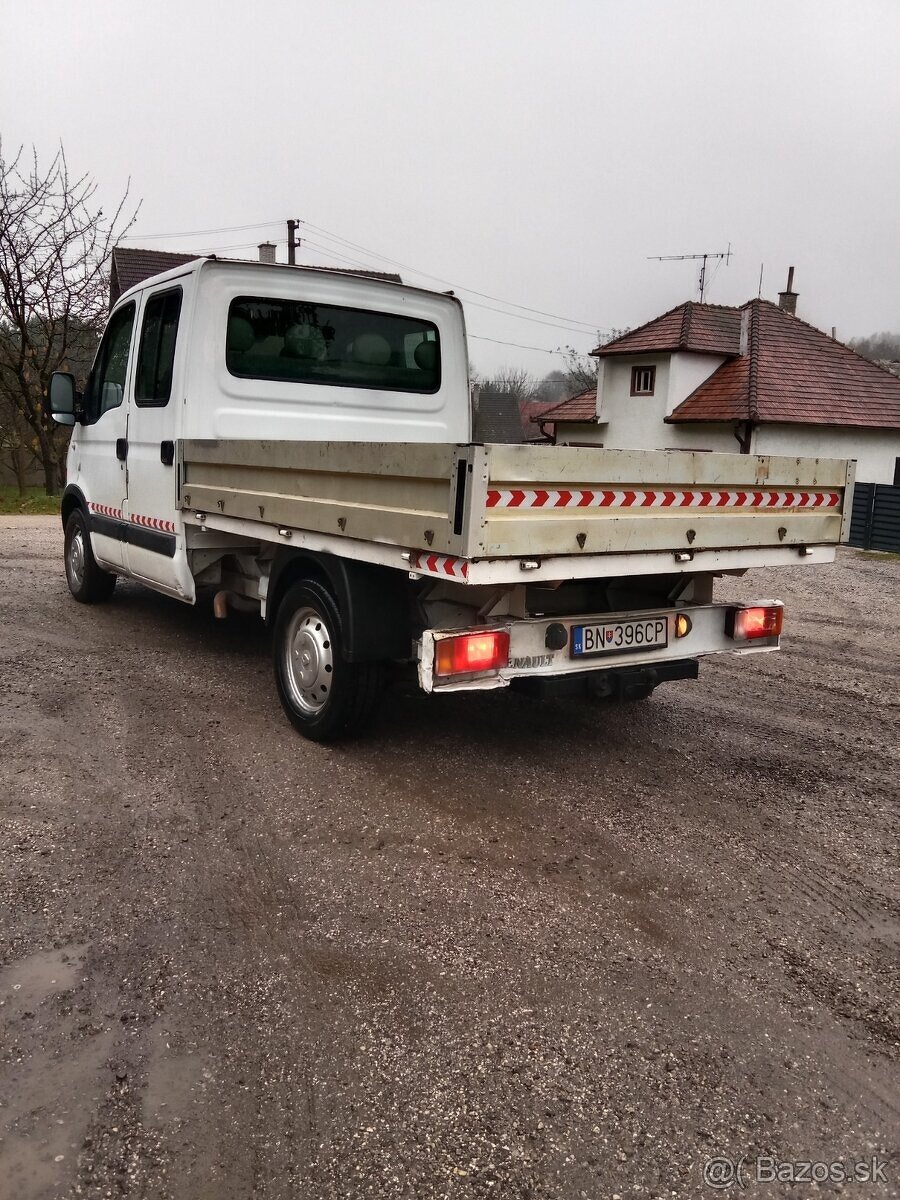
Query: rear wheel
{"x": 324, "y": 696}
{"x": 88, "y": 582}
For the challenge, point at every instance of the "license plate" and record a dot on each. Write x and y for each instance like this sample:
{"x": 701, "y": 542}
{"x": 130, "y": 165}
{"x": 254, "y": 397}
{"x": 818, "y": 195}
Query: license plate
{"x": 619, "y": 637}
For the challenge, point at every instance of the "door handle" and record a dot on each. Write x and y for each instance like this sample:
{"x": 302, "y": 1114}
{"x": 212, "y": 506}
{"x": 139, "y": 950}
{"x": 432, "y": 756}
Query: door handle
{"x": 121, "y": 449}
{"x": 167, "y": 453}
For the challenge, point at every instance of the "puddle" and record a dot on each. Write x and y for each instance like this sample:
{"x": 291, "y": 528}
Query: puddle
{"x": 48, "y": 1101}
{"x": 30, "y": 981}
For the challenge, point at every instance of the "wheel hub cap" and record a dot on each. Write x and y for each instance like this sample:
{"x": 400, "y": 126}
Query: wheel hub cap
{"x": 308, "y": 660}
{"x": 76, "y": 558}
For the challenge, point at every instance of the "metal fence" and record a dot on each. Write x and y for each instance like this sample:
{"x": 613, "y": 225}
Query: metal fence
{"x": 875, "y": 522}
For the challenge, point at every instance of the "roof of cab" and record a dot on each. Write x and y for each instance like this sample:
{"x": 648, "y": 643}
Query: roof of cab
{"x": 131, "y": 266}
{"x": 183, "y": 264}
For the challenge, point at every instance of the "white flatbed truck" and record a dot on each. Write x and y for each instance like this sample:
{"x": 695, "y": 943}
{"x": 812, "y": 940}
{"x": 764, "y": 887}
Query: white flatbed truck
{"x": 301, "y": 442}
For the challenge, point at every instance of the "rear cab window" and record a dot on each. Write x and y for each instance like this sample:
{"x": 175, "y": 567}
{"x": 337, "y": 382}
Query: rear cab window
{"x": 156, "y": 356}
{"x": 300, "y": 342}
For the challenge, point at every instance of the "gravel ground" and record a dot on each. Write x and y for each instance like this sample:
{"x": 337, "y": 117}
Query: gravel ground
{"x": 502, "y": 949}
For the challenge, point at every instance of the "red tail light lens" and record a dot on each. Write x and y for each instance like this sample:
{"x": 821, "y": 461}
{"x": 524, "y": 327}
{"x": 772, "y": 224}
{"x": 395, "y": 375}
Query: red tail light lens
{"x": 471, "y": 652}
{"x": 747, "y": 624}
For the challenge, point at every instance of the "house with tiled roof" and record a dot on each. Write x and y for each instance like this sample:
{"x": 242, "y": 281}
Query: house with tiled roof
{"x": 753, "y": 378}
{"x": 130, "y": 266}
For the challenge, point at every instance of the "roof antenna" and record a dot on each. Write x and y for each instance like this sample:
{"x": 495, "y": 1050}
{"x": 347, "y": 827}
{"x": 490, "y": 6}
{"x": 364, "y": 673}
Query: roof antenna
{"x": 759, "y": 293}
{"x": 701, "y": 283}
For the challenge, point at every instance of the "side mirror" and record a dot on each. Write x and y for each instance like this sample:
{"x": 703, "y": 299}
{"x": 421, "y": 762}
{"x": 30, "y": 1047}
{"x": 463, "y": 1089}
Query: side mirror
{"x": 61, "y": 397}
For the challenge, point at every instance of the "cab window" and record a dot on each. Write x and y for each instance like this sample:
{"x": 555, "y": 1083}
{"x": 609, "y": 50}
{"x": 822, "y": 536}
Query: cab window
{"x": 106, "y": 385}
{"x": 298, "y": 341}
{"x": 156, "y": 356}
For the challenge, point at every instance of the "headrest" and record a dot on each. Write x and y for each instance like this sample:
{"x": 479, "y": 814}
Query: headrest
{"x": 305, "y": 341}
{"x": 371, "y": 348}
{"x": 240, "y": 335}
{"x": 425, "y": 355}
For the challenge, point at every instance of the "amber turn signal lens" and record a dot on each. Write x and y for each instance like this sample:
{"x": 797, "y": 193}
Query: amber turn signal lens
{"x": 683, "y": 625}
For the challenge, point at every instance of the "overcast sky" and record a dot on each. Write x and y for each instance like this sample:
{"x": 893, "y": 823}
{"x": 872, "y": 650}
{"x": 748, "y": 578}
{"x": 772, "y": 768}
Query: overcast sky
{"x": 534, "y": 151}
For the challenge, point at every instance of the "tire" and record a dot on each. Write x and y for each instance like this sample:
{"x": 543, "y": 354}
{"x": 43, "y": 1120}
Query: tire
{"x": 88, "y": 582}
{"x": 325, "y": 697}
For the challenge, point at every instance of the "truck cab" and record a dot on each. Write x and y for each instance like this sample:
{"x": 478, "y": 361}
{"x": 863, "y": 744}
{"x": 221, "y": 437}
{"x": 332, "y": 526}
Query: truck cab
{"x": 232, "y": 350}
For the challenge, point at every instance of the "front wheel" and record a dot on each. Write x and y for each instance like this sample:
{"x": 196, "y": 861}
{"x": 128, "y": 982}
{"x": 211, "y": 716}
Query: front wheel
{"x": 88, "y": 582}
{"x": 324, "y": 696}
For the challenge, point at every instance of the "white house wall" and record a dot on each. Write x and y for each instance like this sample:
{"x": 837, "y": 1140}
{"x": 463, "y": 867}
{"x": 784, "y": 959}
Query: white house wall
{"x": 627, "y": 421}
{"x": 876, "y": 450}
{"x": 686, "y": 373}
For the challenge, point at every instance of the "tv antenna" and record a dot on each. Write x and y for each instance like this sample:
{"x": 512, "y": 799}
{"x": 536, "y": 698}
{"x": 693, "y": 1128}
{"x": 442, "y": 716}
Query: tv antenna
{"x": 704, "y": 259}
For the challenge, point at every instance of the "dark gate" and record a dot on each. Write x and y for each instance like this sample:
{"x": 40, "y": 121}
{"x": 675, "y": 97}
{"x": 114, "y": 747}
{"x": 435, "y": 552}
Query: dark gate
{"x": 875, "y": 522}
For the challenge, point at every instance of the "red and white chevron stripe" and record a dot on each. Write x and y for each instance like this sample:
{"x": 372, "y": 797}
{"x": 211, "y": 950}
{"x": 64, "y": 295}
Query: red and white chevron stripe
{"x": 105, "y": 510}
{"x": 153, "y": 523}
{"x": 661, "y": 498}
{"x": 440, "y": 565}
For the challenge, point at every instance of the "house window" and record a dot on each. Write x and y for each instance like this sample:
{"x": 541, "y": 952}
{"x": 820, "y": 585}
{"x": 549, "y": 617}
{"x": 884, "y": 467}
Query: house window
{"x": 643, "y": 381}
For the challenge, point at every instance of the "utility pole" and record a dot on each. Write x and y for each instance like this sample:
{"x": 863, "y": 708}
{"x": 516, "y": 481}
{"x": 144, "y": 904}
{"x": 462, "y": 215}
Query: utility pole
{"x": 704, "y": 258}
{"x": 293, "y": 242}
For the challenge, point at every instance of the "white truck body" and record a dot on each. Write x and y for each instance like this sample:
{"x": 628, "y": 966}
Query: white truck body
{"x": 253, "y": 428}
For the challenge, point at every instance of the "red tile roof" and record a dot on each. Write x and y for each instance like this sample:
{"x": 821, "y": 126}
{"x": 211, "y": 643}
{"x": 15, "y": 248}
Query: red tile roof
{"x": 794, "y": 373}
{"x": 531, "y": 413}
{"x": 702, "y": 328}
{"x": 581, "y": 408}
{"x": 131, "y": 266}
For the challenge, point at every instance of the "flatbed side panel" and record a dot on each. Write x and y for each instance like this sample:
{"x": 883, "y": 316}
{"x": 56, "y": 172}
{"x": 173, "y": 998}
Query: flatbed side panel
{"x": 586, "y": 465}
{"x": 386, "y": 492}
{"x": 577, "y": 500}
{"x": 593, "y": 532}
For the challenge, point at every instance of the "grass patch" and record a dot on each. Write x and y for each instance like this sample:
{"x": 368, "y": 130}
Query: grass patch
{"x": 880, "y": 555}
{"x": 34, "y": 502}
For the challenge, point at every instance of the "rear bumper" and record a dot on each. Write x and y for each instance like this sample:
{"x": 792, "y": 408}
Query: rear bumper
{"x": 613, "y": 683}
{"x": 530, "y": 658}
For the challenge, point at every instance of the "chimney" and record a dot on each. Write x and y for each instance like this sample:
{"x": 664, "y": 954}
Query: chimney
{"x": 788, "y": 298}
{"x": 267, "y": 252}
{"x": 745, "y": 329}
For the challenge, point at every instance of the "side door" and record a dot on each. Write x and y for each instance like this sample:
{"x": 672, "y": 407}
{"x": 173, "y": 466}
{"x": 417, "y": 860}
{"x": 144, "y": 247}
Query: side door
{"x": 155, "y": 540}
{"x": 102, "y": 446}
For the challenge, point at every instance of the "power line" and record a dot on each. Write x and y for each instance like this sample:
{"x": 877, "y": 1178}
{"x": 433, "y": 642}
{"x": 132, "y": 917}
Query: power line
{"x": 220, "y": 249}
{"x": 480, "y": 337}
{"x": 470, "y": 303}
{"x": 569, "y": 324}
{"x": 570, "y": 321}
{"x": 132, "y": 237}
{"x": 332, "y": 253}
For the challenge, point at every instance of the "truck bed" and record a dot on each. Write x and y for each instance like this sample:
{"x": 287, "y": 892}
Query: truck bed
{"x": 471, "y": 503}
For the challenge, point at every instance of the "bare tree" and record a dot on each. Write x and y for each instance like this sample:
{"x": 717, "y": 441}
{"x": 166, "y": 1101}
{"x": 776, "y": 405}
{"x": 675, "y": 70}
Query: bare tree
{"x": 54, "y": 245}
{"x": 511, "y": 381}
{"x": 553, "y": 388}
{"x": 879, "y": 347}
{"x": 15, "y": 444}
{"x": 581, "y": 369}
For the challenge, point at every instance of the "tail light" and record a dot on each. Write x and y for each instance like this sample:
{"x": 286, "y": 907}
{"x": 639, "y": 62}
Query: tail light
{"x": 748, "y": 624}
{"x": 471, "y": 652}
